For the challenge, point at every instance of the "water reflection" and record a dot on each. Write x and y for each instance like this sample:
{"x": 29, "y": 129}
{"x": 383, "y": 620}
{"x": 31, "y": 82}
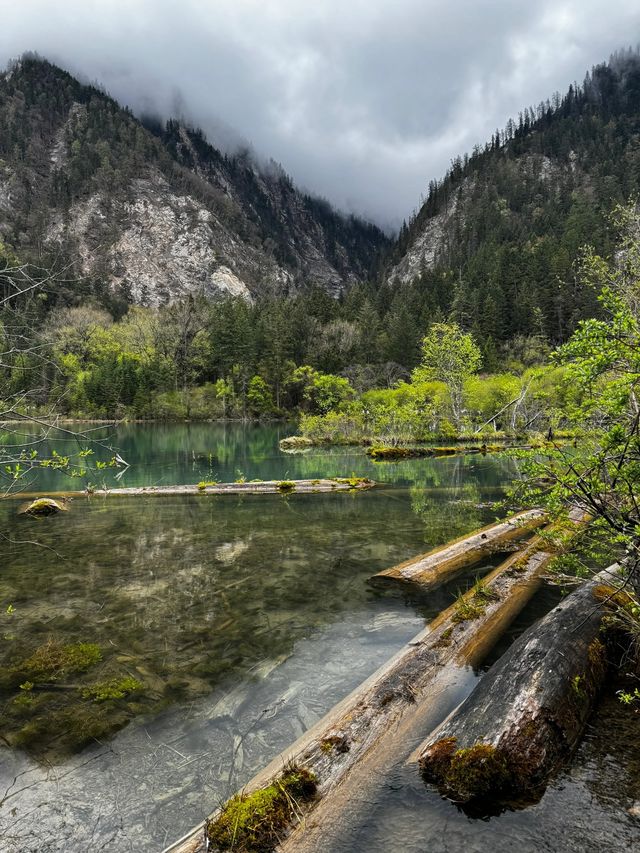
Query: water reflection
{"x": 162, "y": 454}
{"x": 244, "y": 618}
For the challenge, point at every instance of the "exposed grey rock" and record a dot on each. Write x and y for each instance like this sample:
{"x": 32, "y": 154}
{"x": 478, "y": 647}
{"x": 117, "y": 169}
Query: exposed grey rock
{"x": 158, "y": 214}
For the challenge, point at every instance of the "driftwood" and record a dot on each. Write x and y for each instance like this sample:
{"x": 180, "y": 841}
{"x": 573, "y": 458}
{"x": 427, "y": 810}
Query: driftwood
{"x": 337, "y": 484}
{"x": 528, "y": 712}
{"x": 407, "y": 684}
{"x": 429, "y": 570}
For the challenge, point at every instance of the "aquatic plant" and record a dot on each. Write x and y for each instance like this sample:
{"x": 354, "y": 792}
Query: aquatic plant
{"x": 113, "y": 688}
{"x": 51, "y": 662}
{"x": 75, "y": 726}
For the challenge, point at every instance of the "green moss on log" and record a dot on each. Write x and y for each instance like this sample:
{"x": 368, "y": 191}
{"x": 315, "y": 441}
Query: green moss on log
{"x": 474, "y": 606}
{"x": 255, "y": 823}
{"x": 440, "y": 755}
{"x": 202, "y": 485}
{"x": 390, "y": 454}
{"x": 295, "y": 442}
{"x": 466, "y": 774}
{"x": 476, "y": 772}
{"x": 335, "y": 743}
{"x": 445, "y": 638}
{"x": 353, "y": 482}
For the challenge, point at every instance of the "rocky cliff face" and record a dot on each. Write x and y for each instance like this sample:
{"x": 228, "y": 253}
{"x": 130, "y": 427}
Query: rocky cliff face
{"x": 155, "y": 213}
{"x": 428, "y": 246}
{"x": 439, "y": 236}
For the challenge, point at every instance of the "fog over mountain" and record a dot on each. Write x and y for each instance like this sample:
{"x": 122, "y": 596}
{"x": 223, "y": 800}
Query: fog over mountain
{"x": 362, "y": 102}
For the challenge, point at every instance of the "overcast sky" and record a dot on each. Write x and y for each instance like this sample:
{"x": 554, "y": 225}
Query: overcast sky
{"x": 362, "y": 101}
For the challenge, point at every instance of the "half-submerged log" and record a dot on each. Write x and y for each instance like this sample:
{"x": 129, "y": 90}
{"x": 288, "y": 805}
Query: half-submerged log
{"x": 431, "y": 569}
{"x": 528, "y": 712}
{"x": 396, "y": 453}
{"x": 282, "y": 487}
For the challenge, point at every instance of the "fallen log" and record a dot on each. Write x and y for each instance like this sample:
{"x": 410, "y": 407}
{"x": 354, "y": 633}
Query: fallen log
{"x": 529, "y": 711}
{"x": 395, "y": 453}
{"x": 405, "y": 686}
{"x": 335, "y": 484}
{"x": 431, "y": 569}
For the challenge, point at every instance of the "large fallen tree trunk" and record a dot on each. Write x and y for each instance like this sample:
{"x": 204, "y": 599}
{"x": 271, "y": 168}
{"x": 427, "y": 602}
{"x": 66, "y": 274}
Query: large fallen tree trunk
{"x": 429, "y": 570}
{"x": 336, "y": 484}
{"x": 459, "y": 636}
{"x": 528, "y": 712}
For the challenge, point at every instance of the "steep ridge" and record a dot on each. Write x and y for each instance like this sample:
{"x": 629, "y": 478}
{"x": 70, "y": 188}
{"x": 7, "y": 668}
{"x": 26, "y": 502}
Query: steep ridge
{"x": 156, "y": 212}
{"x": 496, "y": 240}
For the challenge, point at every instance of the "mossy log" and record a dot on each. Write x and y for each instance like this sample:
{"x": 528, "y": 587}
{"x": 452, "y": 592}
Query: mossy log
{"x": 435, "y": 567}
{"x": 528, "y": 712}
{"x": 335, "y": 484}
{"x": 405, "y": 685}
{"x": 255, "y": 822}
{"x": 394, "y": 454}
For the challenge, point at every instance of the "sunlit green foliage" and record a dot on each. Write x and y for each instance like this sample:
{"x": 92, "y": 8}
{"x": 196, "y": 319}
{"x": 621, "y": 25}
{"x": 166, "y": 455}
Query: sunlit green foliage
{"x": 602, "y": 364}
{"x": 450, "y": 356}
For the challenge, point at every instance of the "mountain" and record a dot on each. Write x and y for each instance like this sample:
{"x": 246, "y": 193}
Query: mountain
{"x": 150, "y": 212}
{"x": 496, "y": 241}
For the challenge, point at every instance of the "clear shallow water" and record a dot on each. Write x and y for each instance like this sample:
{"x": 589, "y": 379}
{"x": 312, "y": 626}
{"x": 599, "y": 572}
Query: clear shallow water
{"x": 245, "y": 618}
{"x": 586, "y": 809}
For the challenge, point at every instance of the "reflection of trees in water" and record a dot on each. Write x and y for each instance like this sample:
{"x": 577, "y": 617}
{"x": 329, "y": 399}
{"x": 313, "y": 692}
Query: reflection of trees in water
{"x": 450, "y": 516}
{"x": 182, "y": 594}
{"x": 455, "y": 496}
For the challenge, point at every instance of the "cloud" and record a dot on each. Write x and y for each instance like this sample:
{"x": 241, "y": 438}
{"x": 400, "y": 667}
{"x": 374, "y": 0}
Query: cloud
{"x": 361, "y": 102}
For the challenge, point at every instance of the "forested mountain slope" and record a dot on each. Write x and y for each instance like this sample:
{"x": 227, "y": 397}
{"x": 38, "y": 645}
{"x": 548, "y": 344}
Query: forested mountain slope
{"x": 496, "y": 240}
{"x": 152, "y": 213}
